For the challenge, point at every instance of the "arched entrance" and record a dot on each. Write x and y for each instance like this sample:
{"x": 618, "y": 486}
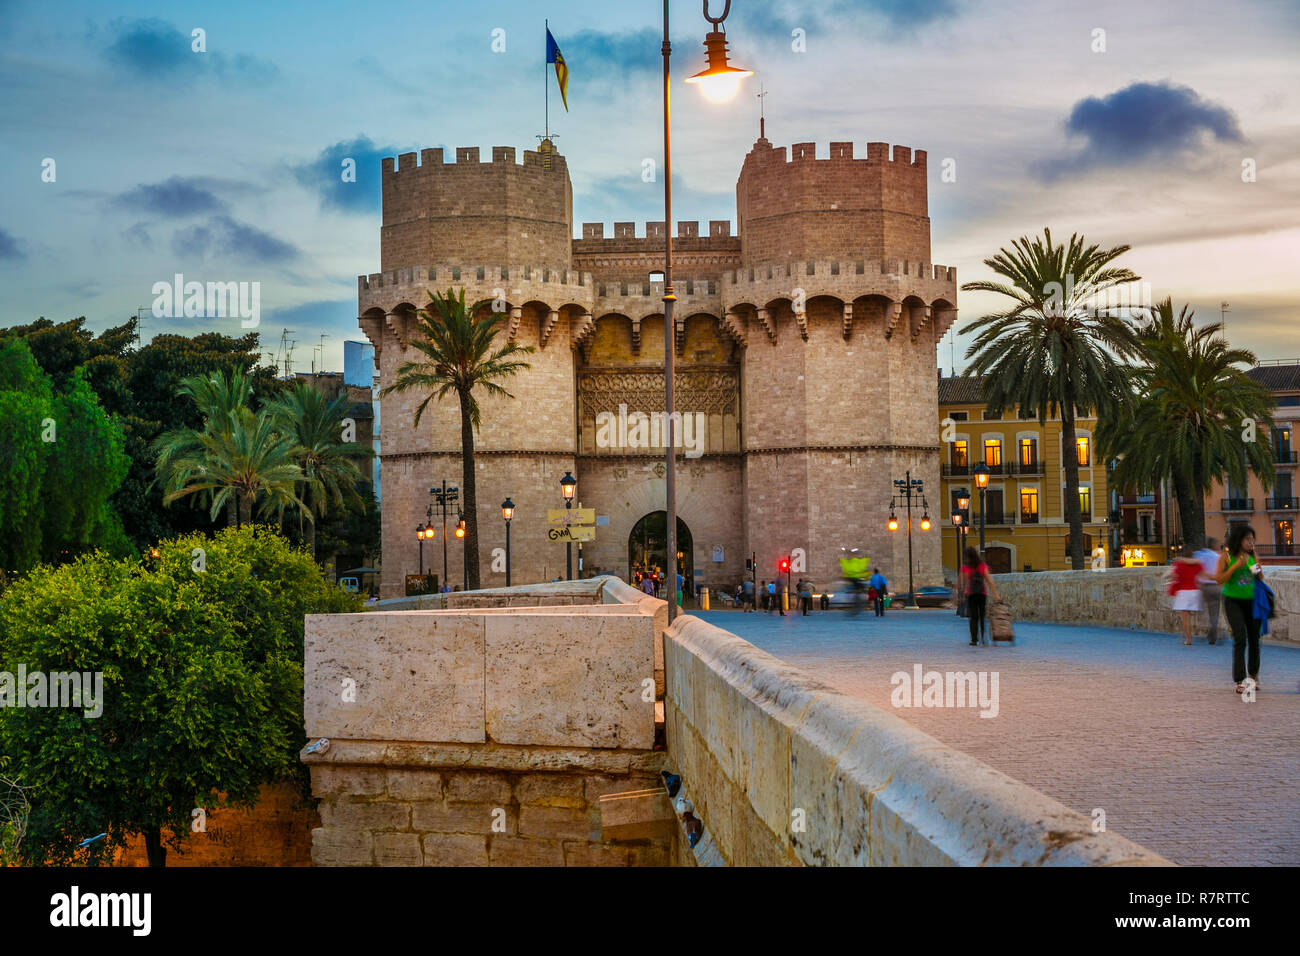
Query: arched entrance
{"x": 646, "y": 548}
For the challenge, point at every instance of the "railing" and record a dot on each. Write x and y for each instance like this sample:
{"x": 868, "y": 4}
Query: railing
{"x": 1034, "y": 467}
{"x": 1028, "y": 518}
{"x": 1281, "y": 504}
{"x": 1237, "y": 504}
{"x": 1138, "y": 537}
{"x": 995, "y": 517}
{"x": 968, "y": 470}
{"x": 1284, "y": 456}
{"x": 1277, "y": 550}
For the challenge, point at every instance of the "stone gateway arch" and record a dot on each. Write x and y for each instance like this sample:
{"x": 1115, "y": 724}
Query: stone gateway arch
{"x": 805, "y": 351}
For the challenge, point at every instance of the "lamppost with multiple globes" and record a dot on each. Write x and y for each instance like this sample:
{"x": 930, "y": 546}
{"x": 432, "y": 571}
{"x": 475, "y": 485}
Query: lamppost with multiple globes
{"x": 961, "y": 522}
{"x": 444, "y": 497}
{"x": 507, "y": 512}
{"x": 568, "y": 485}
{"x": 982, "y": 483}
{"x": 908, "y": 488}
{"x": 718, "y": 81}
{"x": 425, "y": 532}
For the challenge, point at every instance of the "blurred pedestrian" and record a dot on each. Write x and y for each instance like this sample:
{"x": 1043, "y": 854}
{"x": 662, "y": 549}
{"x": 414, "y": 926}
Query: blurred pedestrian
{"x": 1185, "y": 588}
{"x": 1211, "y": 591}
{"x": 1236, "y": 573}
{"x": 977, "y": 584}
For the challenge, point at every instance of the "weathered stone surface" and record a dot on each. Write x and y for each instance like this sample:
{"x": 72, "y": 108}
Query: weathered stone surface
{"x": 514, "y": 851}
{"x": 455, "y": 849}
{"x": 576, "y": 683}
{"x": 398, "y": 849}
{"x": 415, "y": 676}
{"x": 462, "y": 817}
{"x": 864, "y": 787}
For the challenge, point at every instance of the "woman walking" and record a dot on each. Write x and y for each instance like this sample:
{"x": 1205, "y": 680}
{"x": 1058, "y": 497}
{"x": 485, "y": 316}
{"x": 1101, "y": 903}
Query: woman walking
{"x": 977, "y": 583}
{"x": 1236, "y": 573}
{"x": 1185, "y": 588}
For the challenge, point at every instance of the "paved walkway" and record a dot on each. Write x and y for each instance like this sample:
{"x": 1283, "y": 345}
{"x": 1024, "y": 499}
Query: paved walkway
{"x": 1129, "y": 721}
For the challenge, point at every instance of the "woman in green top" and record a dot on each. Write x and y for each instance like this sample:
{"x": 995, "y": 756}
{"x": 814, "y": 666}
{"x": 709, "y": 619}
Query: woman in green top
{"x": 1236, "y": 572}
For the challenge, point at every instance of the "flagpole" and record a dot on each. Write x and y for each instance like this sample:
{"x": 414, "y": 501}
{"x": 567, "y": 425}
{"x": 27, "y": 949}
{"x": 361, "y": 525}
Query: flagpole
{"x": 546, "y": 80}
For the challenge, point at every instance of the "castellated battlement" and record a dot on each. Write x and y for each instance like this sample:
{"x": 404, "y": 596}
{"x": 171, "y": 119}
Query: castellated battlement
{"x": 469, "y": 211}
{"x": 799, "y": 206}
{"x": 716, "y": 229}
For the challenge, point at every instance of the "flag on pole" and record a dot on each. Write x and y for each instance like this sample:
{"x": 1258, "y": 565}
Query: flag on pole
{"x": 553, "y": 55}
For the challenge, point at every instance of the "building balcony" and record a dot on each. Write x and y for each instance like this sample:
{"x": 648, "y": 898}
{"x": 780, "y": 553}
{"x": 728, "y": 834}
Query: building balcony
{"x": 1277, "y": 550}
{"x": 1028, "y": 468}
{"x": 1283, "y": 456}
{"x": 968, "y": 470}
{"x": 1236, "y": 504}
{"x": 1028, "y": 518}
{"x": 996, "y": 518}
{"x": 1281, "y": 504}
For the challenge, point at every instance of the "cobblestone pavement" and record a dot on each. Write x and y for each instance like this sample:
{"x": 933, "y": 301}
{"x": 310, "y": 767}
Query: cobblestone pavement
{"x": 1132, "y": 722}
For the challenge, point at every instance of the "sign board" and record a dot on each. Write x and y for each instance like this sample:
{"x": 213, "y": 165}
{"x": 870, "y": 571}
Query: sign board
{"x": 558, "y": 517}
{"x": 719, "y": 555}
{"x": 574, "y": 532}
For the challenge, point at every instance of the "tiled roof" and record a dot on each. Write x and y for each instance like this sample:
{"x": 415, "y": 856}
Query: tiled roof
{"x": 1276, "y": 378}
{"x": 961, "y": 390}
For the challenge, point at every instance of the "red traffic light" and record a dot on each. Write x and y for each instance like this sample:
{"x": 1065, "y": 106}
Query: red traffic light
{"x": 785, "y": 565}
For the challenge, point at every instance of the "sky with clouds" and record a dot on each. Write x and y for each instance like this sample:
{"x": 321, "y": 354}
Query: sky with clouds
{"x": 224, "y": 165}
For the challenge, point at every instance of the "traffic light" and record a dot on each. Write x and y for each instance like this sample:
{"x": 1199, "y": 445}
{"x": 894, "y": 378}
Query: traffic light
{"x": 785, "y": 565}
{"x": 749, "y": 565}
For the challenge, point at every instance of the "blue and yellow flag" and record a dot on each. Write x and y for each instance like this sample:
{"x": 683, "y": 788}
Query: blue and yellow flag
{"x": 553, "y": 55}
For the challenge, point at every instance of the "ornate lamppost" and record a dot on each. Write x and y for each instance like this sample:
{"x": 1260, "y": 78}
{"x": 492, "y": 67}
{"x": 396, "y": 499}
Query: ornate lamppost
{"x": 908, "y": 488}
{"x": 507, "y": 512}
{"x": 568, "y": 485}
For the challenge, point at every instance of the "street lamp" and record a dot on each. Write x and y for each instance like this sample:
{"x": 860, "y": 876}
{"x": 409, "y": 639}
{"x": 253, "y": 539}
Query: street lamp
{"x": 908, "y": 488}
{"x": 507, "y": 512}
{"x": 460, "y": 533}
{"x": 444, "y": 496}
{"x": 717, "y": 80}
{"x": 961, "y": 519}
{"x": 568, "y": 485}
{"x": 982, "y": 482}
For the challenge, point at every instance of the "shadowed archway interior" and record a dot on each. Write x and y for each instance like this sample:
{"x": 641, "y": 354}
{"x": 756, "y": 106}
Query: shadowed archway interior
{"x": 645, "y": 548}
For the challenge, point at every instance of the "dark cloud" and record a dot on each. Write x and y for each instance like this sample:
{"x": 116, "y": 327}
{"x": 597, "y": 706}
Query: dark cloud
{"x": 324, "y": 175}
{"x": 139, "y": 235}
{"x": 223, "y": 236}
{"x": 777, "y": 20}
{"x": 157, "y": 50}
{"x": 178, "y": 196}
{"x": 9, "y": 247}
{"x": 592, "y": 54}
{"x": 1142, "y": 122}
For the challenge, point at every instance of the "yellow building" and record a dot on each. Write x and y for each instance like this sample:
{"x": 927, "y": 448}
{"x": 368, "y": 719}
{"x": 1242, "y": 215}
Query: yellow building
{"x": 1025, "y": 527}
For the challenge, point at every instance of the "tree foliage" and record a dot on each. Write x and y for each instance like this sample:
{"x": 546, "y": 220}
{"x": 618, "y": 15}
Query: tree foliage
{"x": 202, "y": 686}
{"x": 1054, "y": 349}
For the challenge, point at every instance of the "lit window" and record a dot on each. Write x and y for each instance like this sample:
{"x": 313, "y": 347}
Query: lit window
{"x": 1081, "y": 450}
{"x": 1028, "y": 504}
{"x": 993, "y": 452}
{"x": 1028, "y": 452}
{"x": 1085, "y": 502}
{"x": 959, "y": 453}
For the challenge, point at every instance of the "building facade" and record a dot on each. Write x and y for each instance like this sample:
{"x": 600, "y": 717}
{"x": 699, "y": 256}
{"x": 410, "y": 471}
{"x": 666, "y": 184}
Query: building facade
{"x": 1273, "y": 513}
{"x": 1024, "y": 521}
{"x": 805, "y": 353}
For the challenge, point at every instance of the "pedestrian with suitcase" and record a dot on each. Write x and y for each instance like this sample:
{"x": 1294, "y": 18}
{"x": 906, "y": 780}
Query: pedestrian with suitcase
{"x": 978, "y": 585}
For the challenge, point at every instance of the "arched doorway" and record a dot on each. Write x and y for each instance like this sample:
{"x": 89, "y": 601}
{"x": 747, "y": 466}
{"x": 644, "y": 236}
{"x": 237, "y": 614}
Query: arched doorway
{"x": 646, "y": 548}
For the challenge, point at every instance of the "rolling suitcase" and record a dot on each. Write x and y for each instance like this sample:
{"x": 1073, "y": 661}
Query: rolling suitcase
{"x": 1000, "y": 623}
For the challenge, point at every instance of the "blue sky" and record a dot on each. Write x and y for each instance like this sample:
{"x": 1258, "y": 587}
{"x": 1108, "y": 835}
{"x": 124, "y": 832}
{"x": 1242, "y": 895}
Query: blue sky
{"x": 224, "y": 165}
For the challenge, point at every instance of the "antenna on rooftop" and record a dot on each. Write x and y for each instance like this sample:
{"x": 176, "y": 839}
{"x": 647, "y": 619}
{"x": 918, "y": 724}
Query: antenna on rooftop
{"x": 762, "y": 119}
{"x": 1223, "y": 320}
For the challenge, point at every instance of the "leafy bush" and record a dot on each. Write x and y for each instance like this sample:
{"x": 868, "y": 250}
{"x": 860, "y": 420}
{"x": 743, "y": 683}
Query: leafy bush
{"x": 201, "y": 651}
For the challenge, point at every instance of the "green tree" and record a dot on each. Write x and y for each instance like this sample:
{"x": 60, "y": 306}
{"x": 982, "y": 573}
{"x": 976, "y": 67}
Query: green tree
{"x": 61, "y": 462}
{"x": 1194, "y": 409}
{"x": 202, "y": 687}
{"x": 328, "y": 463}
{"x": 1054, "y": 349}
{"x": 461, "y": 355}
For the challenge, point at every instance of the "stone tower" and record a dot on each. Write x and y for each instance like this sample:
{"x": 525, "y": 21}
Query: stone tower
{"x": 805, "y": 351}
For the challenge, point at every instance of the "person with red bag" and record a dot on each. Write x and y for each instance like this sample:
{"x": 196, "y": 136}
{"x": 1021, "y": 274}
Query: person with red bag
{"x": 1185, "y": 588}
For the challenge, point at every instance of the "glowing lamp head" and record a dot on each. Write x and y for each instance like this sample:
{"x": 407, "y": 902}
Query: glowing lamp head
{"x": 925, "y": 522}
{"x": 568, "y": 485}
{"x": 893, "y": 523}
{"x": 982, "y": 476}
{"x": 719, "y": 81}
{"x": 507, "y": 509}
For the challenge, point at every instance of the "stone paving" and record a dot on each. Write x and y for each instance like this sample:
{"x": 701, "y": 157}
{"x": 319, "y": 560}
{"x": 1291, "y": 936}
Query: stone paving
{"x": 1131, "y": 722}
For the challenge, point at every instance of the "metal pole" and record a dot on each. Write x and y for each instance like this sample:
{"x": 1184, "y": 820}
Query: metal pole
{"x": 911, "y": 596}
{"x": 507, "y": 552}
{"x": 568, "y": 546}
{"x": 443, "y": 501}
{"x": 982, "y": 492}
{"x": 670, "y": 457}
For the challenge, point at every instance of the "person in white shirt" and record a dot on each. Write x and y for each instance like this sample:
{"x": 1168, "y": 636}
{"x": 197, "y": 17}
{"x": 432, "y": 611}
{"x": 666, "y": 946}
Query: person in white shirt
{"x": 1211, "y": 590}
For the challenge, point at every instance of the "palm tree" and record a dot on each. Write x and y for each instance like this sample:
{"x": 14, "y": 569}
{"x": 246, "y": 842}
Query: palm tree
{"x": 236, "y": 458}
{"x": 329, "y": 471}
{"x": 1194, "y": 403}
{"x": 245, "y": 460}
{"x": 1053, "y": 351}
{"x": 461, "y": 355}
